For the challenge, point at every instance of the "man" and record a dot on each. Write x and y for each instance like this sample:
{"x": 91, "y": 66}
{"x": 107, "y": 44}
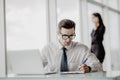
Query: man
{"x": 67, "y": 55}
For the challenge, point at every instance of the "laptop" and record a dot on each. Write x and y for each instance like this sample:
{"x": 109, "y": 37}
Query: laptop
{"x": 25, "y": 62}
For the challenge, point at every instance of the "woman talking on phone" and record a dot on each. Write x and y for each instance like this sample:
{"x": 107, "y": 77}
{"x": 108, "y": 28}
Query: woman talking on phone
{"x": 97, "y": 36}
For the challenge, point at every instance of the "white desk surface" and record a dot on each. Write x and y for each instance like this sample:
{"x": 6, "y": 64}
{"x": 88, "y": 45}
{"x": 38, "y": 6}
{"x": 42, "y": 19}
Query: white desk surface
{"x": 87, "y": 76}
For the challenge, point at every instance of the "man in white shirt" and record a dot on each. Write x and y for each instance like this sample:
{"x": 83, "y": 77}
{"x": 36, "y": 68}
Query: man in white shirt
{"x": 67, "y": 55}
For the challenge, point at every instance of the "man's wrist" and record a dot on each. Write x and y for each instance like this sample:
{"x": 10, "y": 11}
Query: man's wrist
{"x": 89, "y": 68}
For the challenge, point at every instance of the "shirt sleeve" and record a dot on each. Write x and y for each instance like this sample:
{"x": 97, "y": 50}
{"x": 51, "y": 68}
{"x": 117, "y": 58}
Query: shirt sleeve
{"x": 44, "y": 57}
{"x": 92, "y": 61}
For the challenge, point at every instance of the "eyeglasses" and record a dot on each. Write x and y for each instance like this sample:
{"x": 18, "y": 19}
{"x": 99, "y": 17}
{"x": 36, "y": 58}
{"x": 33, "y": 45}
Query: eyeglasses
{"x": 64, "y": 36}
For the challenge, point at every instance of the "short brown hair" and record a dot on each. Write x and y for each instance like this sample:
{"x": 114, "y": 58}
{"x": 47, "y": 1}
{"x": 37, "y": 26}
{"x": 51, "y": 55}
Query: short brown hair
{"x": 66, "y": 23}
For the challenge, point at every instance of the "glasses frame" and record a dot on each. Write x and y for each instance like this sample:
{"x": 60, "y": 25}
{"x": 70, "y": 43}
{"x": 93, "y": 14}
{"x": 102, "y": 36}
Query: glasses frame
{"x": 68, "y": 36}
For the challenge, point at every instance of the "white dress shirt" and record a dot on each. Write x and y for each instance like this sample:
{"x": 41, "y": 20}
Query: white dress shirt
{"x": 76, "y": 54}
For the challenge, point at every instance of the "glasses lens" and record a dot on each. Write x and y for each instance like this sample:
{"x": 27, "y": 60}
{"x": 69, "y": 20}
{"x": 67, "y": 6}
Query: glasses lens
{"x": 72, "y": 37}
{"x": 64, "y": 37}
{"x": 68, "y": 36}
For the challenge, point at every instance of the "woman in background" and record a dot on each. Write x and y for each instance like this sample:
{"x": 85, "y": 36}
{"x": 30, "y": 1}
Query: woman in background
{"x": 97, "y": 37}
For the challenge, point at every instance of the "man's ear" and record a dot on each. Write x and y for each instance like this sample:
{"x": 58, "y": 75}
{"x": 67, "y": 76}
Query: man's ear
{"x": 58, "y": 32}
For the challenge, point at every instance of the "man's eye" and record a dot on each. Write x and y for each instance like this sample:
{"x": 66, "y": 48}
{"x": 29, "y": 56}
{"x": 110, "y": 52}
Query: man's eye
{"x": 65, "y": 36}
{"x": 71, "y": 36}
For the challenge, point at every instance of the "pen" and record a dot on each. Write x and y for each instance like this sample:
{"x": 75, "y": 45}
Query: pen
{"x": 83, "y": 62}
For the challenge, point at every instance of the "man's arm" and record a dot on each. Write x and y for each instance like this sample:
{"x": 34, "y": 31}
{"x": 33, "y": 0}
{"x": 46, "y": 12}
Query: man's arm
{"x": 44, "y": 55}
{"x": 92, "y": 63}
{"x": 44, "y": 58}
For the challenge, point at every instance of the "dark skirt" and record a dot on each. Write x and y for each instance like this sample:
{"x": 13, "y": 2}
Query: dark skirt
{"x": 99, "y": 51}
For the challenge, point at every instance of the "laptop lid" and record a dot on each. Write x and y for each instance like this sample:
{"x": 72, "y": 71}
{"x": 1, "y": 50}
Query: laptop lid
{"x": 25, "y": 62}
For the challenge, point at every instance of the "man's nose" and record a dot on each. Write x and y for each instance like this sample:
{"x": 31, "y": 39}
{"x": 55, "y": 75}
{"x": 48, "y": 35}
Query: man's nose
{"x": 68, "y": 40}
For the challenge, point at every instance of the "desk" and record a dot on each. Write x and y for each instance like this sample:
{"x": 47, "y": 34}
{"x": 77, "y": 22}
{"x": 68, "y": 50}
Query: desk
{"x": 87, "y": 76}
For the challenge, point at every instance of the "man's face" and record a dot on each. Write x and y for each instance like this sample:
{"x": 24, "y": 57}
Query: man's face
{"x": 66, "y": 36}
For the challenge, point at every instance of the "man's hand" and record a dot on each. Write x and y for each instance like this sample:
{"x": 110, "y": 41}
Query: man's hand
{"x": 84, "y": 68}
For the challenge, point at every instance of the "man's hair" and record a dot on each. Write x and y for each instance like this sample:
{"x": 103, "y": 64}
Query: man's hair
{"x": 67, "y": 24}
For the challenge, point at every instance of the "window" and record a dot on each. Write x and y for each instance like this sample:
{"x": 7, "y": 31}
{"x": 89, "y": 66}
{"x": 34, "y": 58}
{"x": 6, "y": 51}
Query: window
{"x": 91, "y": 9}
{"x": 114, "y": 39}
{"x": 98, "y": 1}
{"x": 26, "y": 27}
{"x": 26, "y": 24}
{"x": 113, "y": 3}
{"x": 69, "y": 9}
{"x": 114, "y": 30}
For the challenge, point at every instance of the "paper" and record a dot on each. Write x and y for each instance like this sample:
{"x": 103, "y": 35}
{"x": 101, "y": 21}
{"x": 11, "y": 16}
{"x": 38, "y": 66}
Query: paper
{"x": 72, "y": 72}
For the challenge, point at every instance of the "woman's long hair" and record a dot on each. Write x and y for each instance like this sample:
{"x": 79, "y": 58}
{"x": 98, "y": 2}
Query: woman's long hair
{"x": 100, "y": 19}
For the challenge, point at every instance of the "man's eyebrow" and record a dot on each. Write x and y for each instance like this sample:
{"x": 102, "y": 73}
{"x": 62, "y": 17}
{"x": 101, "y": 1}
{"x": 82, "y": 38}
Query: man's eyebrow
{"x": 64, "y": 34}
{"x": 68, "y": 35}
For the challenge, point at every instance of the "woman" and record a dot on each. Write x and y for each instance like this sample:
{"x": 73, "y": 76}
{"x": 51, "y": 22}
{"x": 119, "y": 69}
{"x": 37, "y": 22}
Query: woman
{"x": 97, "y": 37}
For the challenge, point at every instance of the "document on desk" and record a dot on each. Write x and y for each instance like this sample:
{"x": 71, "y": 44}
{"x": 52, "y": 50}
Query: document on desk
{"x": 72, "y": 72}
